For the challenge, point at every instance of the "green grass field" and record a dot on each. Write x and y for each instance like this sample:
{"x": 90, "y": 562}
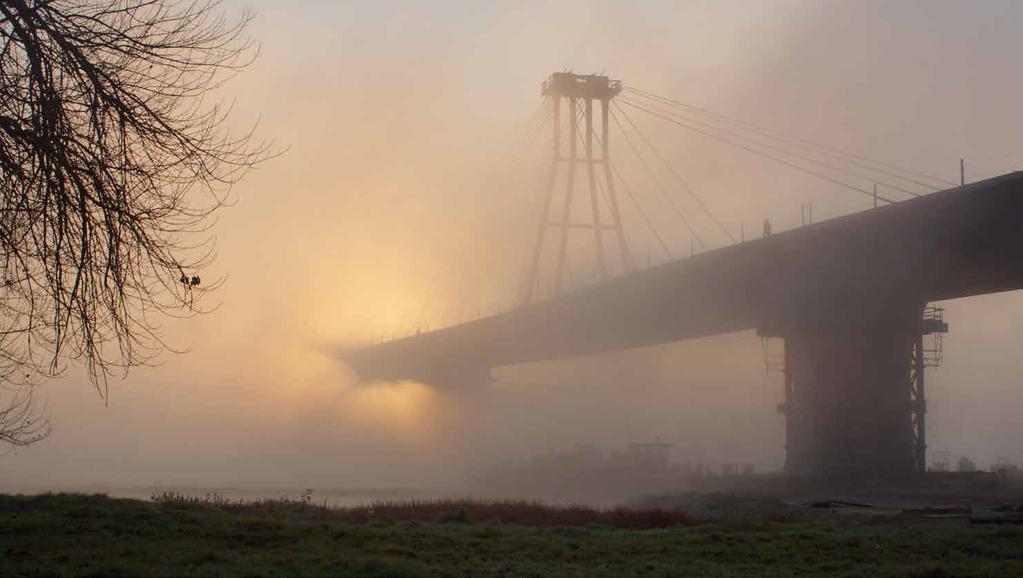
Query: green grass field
{"x": 74, "y": 535}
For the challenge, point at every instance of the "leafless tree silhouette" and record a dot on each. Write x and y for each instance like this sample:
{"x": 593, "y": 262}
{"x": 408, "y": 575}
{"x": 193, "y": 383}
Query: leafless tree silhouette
{"x": 22, "y": 420}
{"x": 114, "y": 154}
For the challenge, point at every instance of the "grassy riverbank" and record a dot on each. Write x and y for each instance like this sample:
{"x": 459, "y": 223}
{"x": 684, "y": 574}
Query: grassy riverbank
{"x": 73, "y": 535}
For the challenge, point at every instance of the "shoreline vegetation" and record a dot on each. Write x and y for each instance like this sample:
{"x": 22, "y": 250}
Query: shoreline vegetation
{"x": 73, "y": 535}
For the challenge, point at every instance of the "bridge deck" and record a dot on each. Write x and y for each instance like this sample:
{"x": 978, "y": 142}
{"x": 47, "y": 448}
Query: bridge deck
{"x": 953, "y": 243}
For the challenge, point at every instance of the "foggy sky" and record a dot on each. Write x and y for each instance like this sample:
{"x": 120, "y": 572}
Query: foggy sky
{"x": 384, "y": 216}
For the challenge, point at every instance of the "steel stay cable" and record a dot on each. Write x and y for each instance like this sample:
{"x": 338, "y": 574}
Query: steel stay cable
{"x": 527, "y": 151}
{"x": 657, "y": 182}
{"x": 754, "y": 142}
{"x": 535, "y": 128}
{"x": 765, "y": 155}
{"x": 626, "y": 255}
{"x": 639, "y": 208}
{"x": 642, "y": 213}
{"x": 519, "y": 150}
{"x": 797, "y": 142}
{"x": 537, "y": 117}
{"x": 511, "y": 158}
{"x": 534, "y": 284}
{"x": 852, "y": 158}
{"x": 672, "y": 171}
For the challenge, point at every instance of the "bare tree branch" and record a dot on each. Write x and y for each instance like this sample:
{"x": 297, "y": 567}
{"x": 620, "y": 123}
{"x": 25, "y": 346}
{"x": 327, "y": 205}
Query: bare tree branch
{"x": 113, "y": 160}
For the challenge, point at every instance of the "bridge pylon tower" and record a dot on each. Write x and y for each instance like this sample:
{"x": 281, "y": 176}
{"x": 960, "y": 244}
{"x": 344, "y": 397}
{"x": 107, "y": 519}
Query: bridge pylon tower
{"x": 603, "y": 219}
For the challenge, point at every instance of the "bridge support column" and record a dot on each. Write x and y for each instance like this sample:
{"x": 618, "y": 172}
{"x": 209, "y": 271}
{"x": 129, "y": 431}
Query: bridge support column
{"x": 849, "y": 399}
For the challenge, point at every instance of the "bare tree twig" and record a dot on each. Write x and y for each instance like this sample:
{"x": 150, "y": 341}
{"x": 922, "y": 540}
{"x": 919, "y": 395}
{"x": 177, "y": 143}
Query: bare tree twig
{"x": 113, "y": 159}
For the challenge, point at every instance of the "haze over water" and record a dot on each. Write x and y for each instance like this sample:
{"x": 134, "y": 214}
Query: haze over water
{"x": 384, "y": 216}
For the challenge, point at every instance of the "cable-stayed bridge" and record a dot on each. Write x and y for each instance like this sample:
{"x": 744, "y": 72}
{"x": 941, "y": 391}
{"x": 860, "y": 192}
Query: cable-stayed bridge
{"x": 849, "y": 296}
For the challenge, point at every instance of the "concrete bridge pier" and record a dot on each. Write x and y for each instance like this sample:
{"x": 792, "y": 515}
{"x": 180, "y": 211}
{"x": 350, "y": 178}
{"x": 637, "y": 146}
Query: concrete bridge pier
{"x": 854, "y": 395}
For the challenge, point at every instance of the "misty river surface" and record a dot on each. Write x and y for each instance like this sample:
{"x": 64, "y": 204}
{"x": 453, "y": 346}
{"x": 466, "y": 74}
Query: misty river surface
{"x": 332, "y": 498}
